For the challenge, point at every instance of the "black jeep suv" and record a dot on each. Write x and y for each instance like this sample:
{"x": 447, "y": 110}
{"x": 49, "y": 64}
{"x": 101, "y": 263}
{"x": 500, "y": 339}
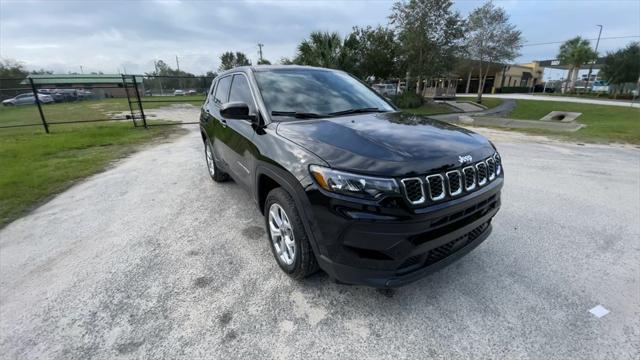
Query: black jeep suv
{"x": 345, "y": 181}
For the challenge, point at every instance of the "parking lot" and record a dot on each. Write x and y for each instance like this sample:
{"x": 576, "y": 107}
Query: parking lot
{"x": 152, "y": 259}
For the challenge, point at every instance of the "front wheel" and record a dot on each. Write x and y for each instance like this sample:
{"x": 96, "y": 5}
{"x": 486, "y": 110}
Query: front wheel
{"x": 288, "y": 238}
{"x": 214, "y": 171}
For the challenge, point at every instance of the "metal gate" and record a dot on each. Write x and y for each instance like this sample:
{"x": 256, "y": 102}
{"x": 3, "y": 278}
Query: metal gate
{"x": 138, "y": 89}
{"x": 131, "y": 88}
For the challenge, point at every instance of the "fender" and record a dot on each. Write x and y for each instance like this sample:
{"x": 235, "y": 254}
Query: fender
{"x": 297, "y": 192}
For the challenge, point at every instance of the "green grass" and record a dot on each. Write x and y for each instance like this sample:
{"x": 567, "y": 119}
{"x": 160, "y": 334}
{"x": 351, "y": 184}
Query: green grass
{"x": 430, "y": 109}
{"x": 85, "y": 110}
{"x": 605, "y": 123}
{"x": 36, "y": 165}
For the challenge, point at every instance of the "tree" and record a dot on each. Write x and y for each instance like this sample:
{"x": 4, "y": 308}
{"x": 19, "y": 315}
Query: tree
{"x": 264, "y": 62}
{"x": 11, "y": 74}
{"x": 286, "y": 61}
{"x": 429, "y": 32}
{"x": 622, "y": 66}
{"x": 374, "y": 52}
{"x": 575, "y": 52}
{"x": 491, "y": 39}
{"x": 12, "y": 69}
{"x": 241, "y": 59}
{"x": 321, "y": 49}
{"x": 229, "y": 60}
{"x": 164, "y": 78}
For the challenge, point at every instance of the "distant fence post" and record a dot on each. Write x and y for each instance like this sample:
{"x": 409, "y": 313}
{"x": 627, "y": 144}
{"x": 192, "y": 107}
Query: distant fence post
{"x": 135, "y": 86}
{"x": 126, "y": 90}
{"x": 35, "y": 95}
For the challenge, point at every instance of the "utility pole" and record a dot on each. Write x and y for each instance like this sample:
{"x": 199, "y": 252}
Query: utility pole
{"x": 260, "y": 51}
{"x": 178, "y": 66}
{"x": 81, "y": 70}
{"x": 591, "y": 64}
{"x": 157, "y": 74}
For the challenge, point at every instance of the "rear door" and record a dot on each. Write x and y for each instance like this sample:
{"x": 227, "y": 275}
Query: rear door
{"x": 216, "y": 125}
{"x": 241, "y": 132}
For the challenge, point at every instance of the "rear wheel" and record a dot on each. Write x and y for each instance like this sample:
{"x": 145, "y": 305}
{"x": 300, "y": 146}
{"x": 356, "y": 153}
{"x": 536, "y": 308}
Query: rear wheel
{"x": 216, "y": 174}
{"x": 288, "y": 238}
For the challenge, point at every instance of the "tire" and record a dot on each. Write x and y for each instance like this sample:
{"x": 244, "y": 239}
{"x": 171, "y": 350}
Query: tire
{"x": 303, "y": 262}
{"x": 214, "y": 171}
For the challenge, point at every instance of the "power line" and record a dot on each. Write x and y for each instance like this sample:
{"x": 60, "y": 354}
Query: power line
{"x": 604, "y": 38}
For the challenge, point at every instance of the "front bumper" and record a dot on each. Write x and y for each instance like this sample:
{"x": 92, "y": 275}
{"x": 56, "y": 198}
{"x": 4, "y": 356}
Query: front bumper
{"x": 381, "y": 247}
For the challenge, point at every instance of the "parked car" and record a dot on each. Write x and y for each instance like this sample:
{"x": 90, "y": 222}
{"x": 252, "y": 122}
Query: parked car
{"x": 85, "y": 95}
{"x": 385, "y": 89}
{"x": 346, "y": 182}
{"x": 192, "y": 92}
{"x": 600, "y": 86}
{"x": 178, "y": 92}
{"x": 68, "y": 94}
{"x": 27, "y": 98}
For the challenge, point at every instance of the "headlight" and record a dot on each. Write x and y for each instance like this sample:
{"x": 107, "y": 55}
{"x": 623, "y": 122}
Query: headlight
{"x": 353, "y": 184}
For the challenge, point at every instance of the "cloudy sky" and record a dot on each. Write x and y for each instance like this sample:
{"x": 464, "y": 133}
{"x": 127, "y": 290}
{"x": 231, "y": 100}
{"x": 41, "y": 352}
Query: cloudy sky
{"x": 115, "y": 36}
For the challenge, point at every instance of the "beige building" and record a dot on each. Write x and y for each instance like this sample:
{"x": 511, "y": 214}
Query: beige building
{"x": 521, "y": 75}
{"x": 500, "y": 76}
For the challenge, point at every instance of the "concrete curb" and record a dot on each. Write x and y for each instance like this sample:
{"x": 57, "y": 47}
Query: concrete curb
{"x": 515, "y": 123}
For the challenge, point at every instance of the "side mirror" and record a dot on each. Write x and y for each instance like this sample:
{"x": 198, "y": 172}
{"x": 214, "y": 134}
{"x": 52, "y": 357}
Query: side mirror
{"x": 236, "y": 110}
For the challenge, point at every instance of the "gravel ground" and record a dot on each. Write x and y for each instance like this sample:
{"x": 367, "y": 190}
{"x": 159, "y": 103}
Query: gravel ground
{"x": 151, "y": 259}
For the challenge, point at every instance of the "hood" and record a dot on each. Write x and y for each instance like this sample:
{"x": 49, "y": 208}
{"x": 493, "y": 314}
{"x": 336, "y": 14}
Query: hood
{"x": 390, "y": 144}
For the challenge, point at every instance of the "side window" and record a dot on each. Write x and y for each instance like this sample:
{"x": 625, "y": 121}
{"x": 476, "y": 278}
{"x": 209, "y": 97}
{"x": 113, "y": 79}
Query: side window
{"x": 222, "y": 90}
{"x": 240, "y": 91}
{"x": 213, "y": 87}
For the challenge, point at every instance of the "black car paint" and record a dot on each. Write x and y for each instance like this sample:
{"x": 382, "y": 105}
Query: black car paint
{"x": 387, "y": 144}
{"x": 383, "y": 144}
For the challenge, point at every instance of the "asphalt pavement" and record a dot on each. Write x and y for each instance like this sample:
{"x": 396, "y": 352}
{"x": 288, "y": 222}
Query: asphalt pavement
{"x": 151, "y": 259}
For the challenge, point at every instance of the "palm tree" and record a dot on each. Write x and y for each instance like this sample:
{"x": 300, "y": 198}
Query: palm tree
{"x": 322, "y": 49}
{"x": 575, "y": 53}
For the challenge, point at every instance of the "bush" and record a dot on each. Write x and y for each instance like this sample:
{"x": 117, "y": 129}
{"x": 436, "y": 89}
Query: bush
{"x": 408, "y": 100}
{"x": 515, "y": 89}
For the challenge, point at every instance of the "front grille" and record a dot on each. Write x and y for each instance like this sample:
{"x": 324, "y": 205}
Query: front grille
{"x": 414, "y": 260}
{"x": 482, "y": 173}
{"x": 469, "y": 178}
{"x": 413, "y": 190}
{"x": 455, "y": 183}
{"x": 491, "y": 168}
{"x": 437, "y": 187}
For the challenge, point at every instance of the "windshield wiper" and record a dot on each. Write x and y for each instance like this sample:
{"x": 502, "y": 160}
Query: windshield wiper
{"x": 356, "y": 111}
{"x": 299, "y": 115}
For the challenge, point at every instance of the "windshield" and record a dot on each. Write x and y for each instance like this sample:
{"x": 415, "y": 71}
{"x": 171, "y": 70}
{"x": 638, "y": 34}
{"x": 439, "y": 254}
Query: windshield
{"x": 315, "y": 91}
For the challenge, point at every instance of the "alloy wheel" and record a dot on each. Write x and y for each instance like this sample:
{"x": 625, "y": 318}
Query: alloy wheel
{"x": 282, "y": 234}
{"x": 209, "y": 155}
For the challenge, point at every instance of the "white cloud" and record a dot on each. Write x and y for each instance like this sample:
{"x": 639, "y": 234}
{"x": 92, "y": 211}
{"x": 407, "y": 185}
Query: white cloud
{"x": 108, "y": 36}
